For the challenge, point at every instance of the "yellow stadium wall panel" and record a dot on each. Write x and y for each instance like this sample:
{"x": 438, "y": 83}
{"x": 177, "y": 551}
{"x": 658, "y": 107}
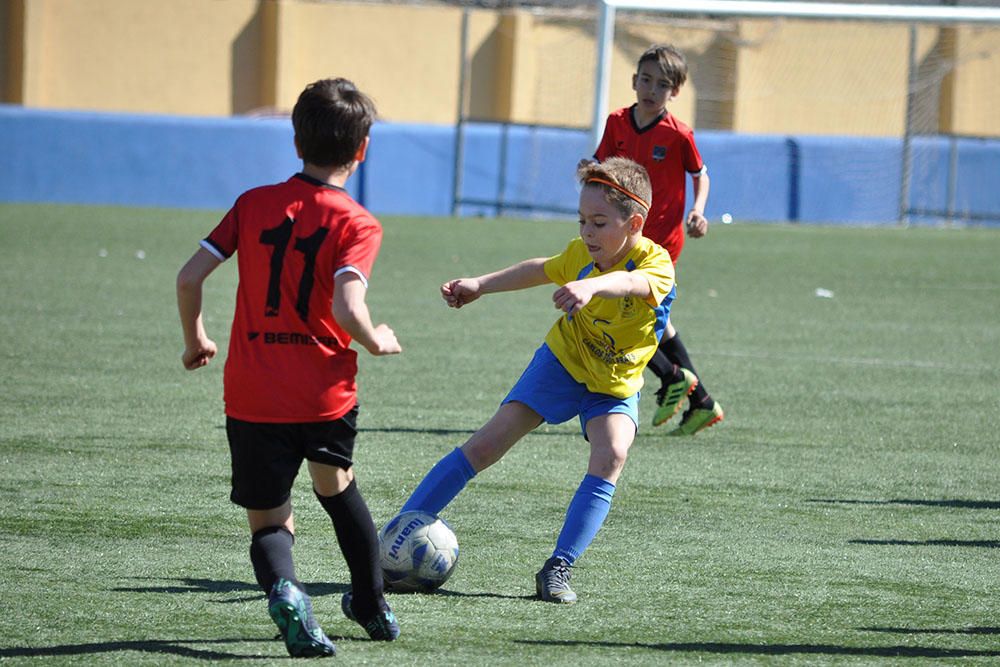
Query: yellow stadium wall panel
{"x": 802, "y": 77}
{"x": 973, "y": 107}
{"x": 406, "y": 57}
{"x": 179, "y": 56}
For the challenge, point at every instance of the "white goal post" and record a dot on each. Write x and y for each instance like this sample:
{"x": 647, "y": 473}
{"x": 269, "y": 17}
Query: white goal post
{"x": 912, "y": 14}
{"x": 761, "y": 8}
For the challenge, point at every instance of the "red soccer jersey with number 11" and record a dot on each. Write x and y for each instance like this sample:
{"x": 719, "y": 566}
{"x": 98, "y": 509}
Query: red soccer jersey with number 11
{"x": 289, "y": 360}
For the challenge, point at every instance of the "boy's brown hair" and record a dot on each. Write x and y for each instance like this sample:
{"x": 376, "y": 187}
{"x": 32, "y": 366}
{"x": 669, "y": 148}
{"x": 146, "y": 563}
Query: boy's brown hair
{"x": 625, "y": 184}
{"x": 671, "y": 62}
{"x": 331, "y": 120}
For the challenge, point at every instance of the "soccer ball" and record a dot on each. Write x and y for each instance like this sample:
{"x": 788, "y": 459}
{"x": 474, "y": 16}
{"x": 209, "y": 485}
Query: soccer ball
{"x": 417, "y": 551}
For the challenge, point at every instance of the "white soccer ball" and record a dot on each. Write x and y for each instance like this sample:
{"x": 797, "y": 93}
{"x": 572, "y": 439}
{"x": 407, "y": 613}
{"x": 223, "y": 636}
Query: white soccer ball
{"x": 417, "y": 551}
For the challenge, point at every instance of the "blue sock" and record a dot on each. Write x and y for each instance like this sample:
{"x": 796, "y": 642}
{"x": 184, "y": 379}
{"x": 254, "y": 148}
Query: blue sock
{"x": 585, "y": 516}
{"x": 441, "y": 484}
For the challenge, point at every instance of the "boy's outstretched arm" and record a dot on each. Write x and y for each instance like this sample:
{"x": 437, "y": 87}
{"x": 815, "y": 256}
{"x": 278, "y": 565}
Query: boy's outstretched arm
{"x": 198, "y": 347}
{"x": 351, "y": 313}
{"x": 576, "y": 294}
{"x": 529, "y": 273}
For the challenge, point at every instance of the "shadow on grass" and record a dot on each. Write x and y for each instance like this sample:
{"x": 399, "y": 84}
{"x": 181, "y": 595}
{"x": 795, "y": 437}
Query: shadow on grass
{"x": 409, "y": 429}
{"x": 961, "y": 504}
{"x": 191, "y": 585}
{"x": 936, "y": 631}
{"x": 315, "y": 589}
{"x": 541, "y": 431}
{"x": 777, "y": 649}
{"x": 176, "y": 647}
{"x": 458, "y": 594}
{"x": 194, "y": 585}
{"x": 985, "y": 544}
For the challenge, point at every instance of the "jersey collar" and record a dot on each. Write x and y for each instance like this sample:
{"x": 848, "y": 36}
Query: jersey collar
{"x": 653, "y": 123}
{"x": 318, "y": 183}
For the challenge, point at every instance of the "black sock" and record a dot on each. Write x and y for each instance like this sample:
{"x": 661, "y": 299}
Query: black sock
{"x": 358, "y": 541}
{"x": 271, "y": 556}
{"x": 664, "y": 369}
{"x": 674, "y": 350}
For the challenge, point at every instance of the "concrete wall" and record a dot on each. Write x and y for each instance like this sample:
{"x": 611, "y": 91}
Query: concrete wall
{"x": 224, "y": 57}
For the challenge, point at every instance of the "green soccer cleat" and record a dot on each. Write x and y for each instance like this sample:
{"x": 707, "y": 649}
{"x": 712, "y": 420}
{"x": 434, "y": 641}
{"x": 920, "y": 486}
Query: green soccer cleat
{"x": 670, "y": 396}
{"x": 552, "y": 582}
{"x": 291, "y": 610}
{"x": 698, "y": 419}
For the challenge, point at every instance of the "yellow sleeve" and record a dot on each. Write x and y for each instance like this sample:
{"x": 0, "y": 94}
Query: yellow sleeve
{"x": 658, "y": 269}
{"x": 558, "y": 268}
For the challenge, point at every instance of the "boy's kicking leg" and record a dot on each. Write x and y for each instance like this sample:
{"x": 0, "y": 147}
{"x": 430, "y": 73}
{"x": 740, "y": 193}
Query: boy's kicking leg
{"x": 273, "y": 533}
{"x": 449, "y": 475}
{"x": 610, "y": 437}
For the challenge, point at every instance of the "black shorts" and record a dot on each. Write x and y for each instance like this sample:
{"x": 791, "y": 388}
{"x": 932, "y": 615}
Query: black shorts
{"x": 266, "y": 457}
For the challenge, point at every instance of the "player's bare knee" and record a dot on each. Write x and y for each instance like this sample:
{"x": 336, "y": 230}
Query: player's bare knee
{"x": 607, "y": 460}
{"x": 482, "y": 452}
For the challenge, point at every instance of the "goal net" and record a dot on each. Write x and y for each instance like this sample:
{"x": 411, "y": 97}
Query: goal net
{"x": 828, "y": 112}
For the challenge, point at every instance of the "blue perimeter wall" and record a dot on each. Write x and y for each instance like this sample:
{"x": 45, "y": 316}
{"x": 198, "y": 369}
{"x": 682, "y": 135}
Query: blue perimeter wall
{"x": 184, "y": 162}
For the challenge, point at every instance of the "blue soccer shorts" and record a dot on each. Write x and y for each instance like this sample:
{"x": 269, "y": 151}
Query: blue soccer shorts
{"x": 548, "y": 389}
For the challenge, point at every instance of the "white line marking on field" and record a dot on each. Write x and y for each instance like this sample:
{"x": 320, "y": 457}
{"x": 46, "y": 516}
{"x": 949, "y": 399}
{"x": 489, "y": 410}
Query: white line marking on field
{"x": 855, "y": 361}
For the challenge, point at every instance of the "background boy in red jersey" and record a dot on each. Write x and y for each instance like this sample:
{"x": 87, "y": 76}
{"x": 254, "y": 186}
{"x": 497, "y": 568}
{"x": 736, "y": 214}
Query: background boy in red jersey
{"x": 305, "y": 252}
{"x": 647, "y": 133}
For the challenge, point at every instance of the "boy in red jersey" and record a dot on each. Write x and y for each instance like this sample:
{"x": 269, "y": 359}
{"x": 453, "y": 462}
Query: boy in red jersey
{"x": 647, "y": 133}
{"x": 305, "y": 251}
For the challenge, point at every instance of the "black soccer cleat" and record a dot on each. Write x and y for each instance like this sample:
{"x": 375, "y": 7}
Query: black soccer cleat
{"x": 381, "y": 627}
{"x": 552, "y": 582}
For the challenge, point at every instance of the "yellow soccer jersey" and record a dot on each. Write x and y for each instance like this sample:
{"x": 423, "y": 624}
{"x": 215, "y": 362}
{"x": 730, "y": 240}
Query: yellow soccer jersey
{"x": 608, "y": 343}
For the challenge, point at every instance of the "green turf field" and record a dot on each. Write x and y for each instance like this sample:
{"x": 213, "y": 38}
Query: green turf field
{"x": 846, "y": 512}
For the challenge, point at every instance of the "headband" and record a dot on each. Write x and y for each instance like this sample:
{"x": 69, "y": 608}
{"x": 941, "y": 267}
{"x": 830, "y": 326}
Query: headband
{"x": 634, "y": 197}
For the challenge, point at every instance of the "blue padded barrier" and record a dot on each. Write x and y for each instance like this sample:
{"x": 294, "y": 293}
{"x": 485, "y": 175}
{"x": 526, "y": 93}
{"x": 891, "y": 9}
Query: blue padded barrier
{"x": 751, "y": 176}
{"x": 138, "y": 160}
{"x": 978, "y": 179}
{"x": 410, "y": 169}
{"x": 154, "y": 160}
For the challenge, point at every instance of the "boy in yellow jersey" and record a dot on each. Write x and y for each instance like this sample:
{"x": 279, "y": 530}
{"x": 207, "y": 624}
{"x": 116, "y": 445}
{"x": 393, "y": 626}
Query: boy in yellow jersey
{"x": 616, "y": 288}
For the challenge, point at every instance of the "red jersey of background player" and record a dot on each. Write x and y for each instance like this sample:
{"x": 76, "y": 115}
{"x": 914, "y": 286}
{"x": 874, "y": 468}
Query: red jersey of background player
{"x": 667, "y": 150}
{"x": 289, "y": 360}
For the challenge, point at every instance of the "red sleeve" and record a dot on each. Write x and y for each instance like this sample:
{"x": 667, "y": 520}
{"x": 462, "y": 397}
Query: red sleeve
{"x": 692, "y": 158}
{"x": 359, "y": 245}
{"x": 224, "y": 237}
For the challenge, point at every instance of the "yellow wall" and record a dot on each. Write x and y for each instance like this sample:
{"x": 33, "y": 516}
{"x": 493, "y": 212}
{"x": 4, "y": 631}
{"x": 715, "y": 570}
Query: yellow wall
{"x": 222, "y": 57}
{"x": 855, "y": 89}
{"x": 974, "y": 108}
{"x": 405, "y": 57}
{"x": 176, "y": 56}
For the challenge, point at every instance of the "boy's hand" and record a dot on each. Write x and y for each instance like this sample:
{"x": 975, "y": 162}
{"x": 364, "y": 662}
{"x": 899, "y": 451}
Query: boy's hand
{"x": 199, "y": 355}
{"x": 573, "y": 296}
{"x": 461, "y": 291}
{"x": 384, "y": 341}
{"x": 697, "y": 224}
